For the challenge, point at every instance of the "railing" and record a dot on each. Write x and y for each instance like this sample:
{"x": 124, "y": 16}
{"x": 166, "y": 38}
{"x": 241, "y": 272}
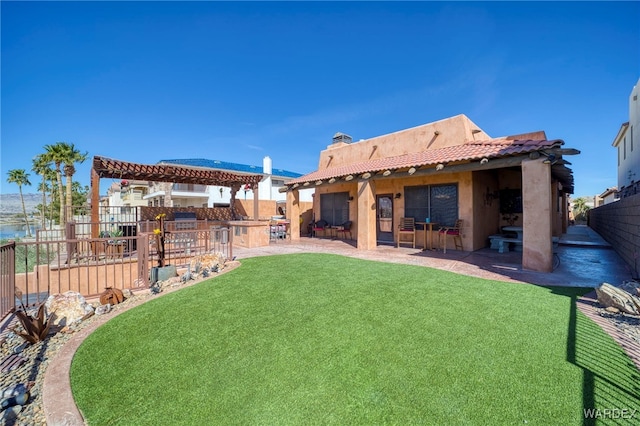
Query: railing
{"x": 7, "y": 278}
{"x": 88, "y": 265}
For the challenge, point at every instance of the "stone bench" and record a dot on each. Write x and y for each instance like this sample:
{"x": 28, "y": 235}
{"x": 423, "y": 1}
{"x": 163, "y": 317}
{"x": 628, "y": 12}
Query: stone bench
{"x": 494, "y": 240}
{"x": 505, "y": 242}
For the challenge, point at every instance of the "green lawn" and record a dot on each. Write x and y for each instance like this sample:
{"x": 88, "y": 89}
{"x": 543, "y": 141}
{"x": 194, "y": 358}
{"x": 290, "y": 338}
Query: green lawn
{"x": 325, "y": 339}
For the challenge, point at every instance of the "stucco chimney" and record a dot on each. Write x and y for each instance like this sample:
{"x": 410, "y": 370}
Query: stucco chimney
{"x": 266, "y": 165}
{"x": 341, "y": 137}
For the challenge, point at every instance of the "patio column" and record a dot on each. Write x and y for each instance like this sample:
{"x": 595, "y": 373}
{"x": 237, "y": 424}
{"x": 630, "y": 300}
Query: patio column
{"x": 256, "y": 202}
{"x": 537, "y": 253}
{"x": 293, "y": 212}
{"x": 366, "y": 215}
{"x": 95, "y": 203}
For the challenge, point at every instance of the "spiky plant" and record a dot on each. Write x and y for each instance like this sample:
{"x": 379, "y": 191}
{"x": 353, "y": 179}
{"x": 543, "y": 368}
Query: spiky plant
{"x": 35, "y": 328}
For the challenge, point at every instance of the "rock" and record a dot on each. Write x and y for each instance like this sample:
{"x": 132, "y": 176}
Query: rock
{"x": 11, "y": 414}
{"x": 609, "y": 295}
{"x": 612, "y": 309}
{"x": 103, "y": 309}
{"x": 127, "y": 293}
{"x": 631, "y": 286}
{"x": 211, "y": 262}
{"x": 16, "y": 389}
{"x": 19, "y": 399}
{"x": 68, "y": 308}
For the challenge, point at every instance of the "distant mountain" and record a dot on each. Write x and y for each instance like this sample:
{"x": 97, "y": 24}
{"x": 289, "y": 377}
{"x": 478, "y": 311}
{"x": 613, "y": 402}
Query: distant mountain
{"x": 10, "y": 203}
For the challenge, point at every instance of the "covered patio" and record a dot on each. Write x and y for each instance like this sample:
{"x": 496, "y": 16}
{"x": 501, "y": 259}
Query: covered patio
{"x": 448, "y": 170}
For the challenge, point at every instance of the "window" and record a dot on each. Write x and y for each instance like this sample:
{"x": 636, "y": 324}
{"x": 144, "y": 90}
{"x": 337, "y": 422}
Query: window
{"x": 334, "y": 207}
{"x": 437, "y": 202}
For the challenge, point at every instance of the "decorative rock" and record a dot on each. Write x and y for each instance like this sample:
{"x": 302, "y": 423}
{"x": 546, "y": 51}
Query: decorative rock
{"x": 68, "y": 308}
{"x": 10, "y": 414}
{"x": 612, "y": 309}
{"x": 609, "y": 295}
{"x": 20, "y": 347}
{"x": 16, "y": 389}
{"x": 127, "y": 293}
{"x": 20, "y": 399}
{"x": 103, "y": 309}
{"x": 212, "y": 262}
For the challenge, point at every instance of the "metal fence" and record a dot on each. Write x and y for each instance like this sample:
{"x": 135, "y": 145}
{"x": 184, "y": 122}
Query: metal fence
{"x": 7, "y": 278}
{"x": 38, "y": 269}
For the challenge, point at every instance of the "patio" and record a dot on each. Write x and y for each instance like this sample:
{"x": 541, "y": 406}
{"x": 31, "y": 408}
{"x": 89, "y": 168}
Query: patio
{"x": 583, "y": 259}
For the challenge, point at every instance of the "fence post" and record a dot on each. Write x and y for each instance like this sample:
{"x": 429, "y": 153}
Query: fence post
{"x": 143, "y": 258}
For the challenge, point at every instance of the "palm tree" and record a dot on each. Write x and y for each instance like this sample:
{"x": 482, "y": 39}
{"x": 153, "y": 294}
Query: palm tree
{"x": 580, "y": 208}
{"x": 42, "y": 166}
{"x": 21, "y": 177}
{"x": 56, "y": 154}
{"x": 72, "y": 156}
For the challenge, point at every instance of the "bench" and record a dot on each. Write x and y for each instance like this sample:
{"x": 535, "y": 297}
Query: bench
{"x": 505, "y": 242}
{"x": 495, "y": 240}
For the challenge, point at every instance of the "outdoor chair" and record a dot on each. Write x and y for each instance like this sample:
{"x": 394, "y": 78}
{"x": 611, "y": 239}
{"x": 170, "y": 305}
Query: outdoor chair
{"x": 407, "y": 226}
{"x": 344, "y": 229}
{"x": 455, "y": 231}
{"x": 321, "y": 225}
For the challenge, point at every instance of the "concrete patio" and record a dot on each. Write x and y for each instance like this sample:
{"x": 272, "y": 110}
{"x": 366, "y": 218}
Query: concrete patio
{"x": 582, "y": 259}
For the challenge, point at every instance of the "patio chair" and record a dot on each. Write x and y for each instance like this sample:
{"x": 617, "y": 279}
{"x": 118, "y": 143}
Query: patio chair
{"x": 455, "y": 231}
{"x": 321, "y": 225}
{"x": 407, "y": 226}
{"x": 344, "y": 229}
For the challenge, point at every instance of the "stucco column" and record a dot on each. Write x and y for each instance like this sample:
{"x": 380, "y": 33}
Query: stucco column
{"x": 537, "y": 253}
{"x": 366, "y": 215}
{"x": 565, "y": 212}
{"x": 256, "y": 202}
{"x": 293, "y": 211}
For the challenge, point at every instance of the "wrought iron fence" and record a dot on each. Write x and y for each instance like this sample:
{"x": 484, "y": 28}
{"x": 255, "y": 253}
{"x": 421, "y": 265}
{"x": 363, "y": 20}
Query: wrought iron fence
{"x": 7, "y": 278}
{"x": 87, "y": 265}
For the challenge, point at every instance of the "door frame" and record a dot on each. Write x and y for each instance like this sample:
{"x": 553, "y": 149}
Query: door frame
{"x": 384, "y": 237}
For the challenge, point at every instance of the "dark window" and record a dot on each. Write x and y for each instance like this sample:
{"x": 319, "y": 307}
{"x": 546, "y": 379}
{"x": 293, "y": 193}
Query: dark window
{"x": 437, "y": 202}
{"x": 334, "y": 207}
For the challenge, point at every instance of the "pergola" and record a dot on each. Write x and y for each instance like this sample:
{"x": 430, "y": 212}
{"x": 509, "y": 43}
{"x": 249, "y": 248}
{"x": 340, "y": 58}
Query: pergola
{"x": 117, "y": 169}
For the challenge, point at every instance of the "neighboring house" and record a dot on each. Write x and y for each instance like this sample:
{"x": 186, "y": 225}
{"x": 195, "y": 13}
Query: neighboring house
{"x": 627, "y": 143}
{"x": 194, "y": 195}
{"x": 445, "y": 170}
{"x": 608, "y": 196}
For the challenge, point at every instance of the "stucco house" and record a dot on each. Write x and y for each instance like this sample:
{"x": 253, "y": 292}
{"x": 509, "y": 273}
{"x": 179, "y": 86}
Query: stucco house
{"x": 627, "y": 143}
{"x": 196, "y": 195}
{"x": 445, "y": 170}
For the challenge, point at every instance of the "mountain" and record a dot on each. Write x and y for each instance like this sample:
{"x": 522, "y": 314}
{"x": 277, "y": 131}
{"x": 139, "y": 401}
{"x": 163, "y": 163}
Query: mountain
{"x": 10, "y": 203}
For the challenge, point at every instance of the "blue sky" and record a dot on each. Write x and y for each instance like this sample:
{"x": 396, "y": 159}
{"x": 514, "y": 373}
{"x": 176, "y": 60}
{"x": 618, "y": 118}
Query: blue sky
{"x": 145, "y": 81}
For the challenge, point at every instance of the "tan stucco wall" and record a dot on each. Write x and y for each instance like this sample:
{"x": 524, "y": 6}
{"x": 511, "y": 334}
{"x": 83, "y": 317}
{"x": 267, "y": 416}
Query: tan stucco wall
{"x": 452, "y": 131}
{"x": 486, "y": 207}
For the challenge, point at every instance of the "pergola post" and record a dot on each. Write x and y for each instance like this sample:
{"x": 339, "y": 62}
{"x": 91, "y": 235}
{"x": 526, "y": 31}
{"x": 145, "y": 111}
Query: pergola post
{"x": 293, "y": 211}
{"x": 95, "y": 204}
{"x": 366, "y": 215}
{"x": 256, "y": 202}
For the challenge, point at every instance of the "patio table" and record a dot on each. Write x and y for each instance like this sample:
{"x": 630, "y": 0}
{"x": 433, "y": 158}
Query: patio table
{"x": 427, "y": 226}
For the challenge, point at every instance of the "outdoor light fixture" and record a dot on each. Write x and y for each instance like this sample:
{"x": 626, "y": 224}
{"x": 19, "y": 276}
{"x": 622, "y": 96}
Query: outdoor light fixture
{"x": 440, "y": 167}
{"x": 351, "y": 198}
{"x": 485, "y": 160}
{"x": 366, "y": 175}
{"x": 436, "y": 133}
{"x": 386, "y": 173}
{"x": 332, "y": 180}
{"x": 411, "y": 170}
{"x": 348, "y": 178}
{"x": 398, "y": 195}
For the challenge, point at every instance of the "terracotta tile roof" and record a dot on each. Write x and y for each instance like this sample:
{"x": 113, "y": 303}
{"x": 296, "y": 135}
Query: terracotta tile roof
{"x": 475, "y": 150}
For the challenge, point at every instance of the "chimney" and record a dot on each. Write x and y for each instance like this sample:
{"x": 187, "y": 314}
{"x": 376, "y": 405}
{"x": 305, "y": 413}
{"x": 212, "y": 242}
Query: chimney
{"x": 341, "y": 137}
{"x": 266, "y": 165}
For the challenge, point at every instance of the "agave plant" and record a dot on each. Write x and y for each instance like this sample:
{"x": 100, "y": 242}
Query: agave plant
{"x": 35, "y": 328}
